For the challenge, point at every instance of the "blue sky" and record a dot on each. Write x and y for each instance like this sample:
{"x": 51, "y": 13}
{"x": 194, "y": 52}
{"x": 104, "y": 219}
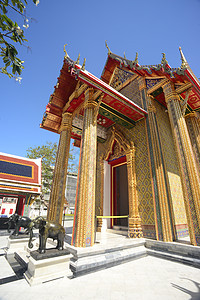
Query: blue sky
{"x": 146, "y": 27}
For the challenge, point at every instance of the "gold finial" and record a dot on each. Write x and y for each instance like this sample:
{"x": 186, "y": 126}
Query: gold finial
{"x": 78, "y": 60}
{"x": 184, "y": 61}
{"x": 66, "y": 55}
{"x": 124, "y": 55}
{"x": 164, "y": 61}
{"x": 136, "y": 59}
{"x": 109, "y": 52}
{"x": 83, "y": 66}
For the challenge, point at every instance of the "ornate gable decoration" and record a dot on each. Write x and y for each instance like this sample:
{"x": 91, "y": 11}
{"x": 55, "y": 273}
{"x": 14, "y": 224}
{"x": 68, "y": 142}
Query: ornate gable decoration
{"x": 151, "y": 82}
{"x": 120, "y": 76}
{"x": 117, "y": 145}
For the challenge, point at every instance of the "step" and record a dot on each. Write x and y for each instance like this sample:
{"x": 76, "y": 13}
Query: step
{"x": 118, "y": 231}
{"x": 91, "y": 259}
{"x": 182, "y": 253}
{"x": 120, "y": 228}
{"x": 194, "y": 262}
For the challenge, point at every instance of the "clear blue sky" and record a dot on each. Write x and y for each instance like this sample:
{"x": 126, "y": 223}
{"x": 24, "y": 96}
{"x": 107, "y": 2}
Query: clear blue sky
{"x": 143, "y": 26}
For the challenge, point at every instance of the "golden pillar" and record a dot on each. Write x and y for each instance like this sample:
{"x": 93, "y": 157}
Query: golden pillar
{"x": 83, "y": 229}
{"x": 159, "y": 177}
{"x": 161, "y": 174}
{"x": 100, "y": 211}
{"x": 135, "y": 229}
{"x": 57, "y": 196}
{"x": 187, "y": 164}
{"x": 193, "y": 124}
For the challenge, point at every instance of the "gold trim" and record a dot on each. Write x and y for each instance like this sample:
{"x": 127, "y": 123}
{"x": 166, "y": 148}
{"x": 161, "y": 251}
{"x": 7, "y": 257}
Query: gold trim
{"x": 157, "y": 86}
{"x": 142, "y": 83}
{"x": 183, "y": 88}
{"x": 66, "y": 123}
{"x": 123, "y": 85}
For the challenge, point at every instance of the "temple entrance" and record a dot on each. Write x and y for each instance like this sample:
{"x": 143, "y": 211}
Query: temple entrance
{"x": 121, "y": 198}
{"x": 120, "y": 202}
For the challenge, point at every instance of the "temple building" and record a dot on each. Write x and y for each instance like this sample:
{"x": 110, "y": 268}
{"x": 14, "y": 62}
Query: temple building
{"x": 138, "y": 128}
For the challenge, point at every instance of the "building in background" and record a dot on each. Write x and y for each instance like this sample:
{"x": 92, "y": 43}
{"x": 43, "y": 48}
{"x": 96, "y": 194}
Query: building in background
{"x": 70, "y": 192}
{"x": 20, "y": 184}
{"x": 40, "y": 206}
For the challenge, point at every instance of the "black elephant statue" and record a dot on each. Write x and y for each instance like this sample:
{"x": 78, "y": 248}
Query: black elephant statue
{"x": 47, "y": 229}
{"x": 18, "y": 221}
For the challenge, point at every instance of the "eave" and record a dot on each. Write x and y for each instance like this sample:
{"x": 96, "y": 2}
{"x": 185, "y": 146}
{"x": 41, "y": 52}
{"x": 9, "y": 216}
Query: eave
{"x": 64, "y": 99}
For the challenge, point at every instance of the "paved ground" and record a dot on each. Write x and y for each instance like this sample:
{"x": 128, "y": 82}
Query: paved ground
{"x": 145, "y": 278}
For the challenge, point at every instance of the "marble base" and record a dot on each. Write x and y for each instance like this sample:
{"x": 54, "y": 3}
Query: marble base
{"x": 186, "y": 254}
{"x": 17, "y": 243}
{"x": 46, "y": 269}
{"x": 91, "y": 259}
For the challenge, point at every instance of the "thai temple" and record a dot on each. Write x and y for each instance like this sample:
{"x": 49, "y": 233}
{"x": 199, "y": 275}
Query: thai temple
{"x": 138, "y": 129}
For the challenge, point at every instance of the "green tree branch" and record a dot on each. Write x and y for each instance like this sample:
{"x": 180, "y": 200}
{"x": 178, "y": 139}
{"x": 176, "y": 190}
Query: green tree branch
{"x": 10, "y": 30}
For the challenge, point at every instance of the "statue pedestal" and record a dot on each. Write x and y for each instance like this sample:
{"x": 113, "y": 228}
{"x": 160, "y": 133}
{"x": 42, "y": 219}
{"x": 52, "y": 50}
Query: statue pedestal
{"x": 17, "y": 243}
{"x": 48, "y": 266}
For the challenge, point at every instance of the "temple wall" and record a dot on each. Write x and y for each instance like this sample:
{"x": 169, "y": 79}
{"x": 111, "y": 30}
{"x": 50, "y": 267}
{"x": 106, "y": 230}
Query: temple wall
{"x": 144, "y": 185}
{"x": 131, "y": 91}
{"x": 172, "y": 169}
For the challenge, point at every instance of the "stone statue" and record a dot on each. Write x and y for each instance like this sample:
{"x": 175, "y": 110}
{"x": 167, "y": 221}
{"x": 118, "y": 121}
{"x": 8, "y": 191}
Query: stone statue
{"x": 18, "y": 221}
{"x": 47, "y": 229}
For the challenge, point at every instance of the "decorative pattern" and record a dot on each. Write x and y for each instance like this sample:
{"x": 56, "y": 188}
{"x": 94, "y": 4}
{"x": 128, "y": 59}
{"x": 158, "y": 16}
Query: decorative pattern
{"x": 83, "y": 229}
{"x": 172, "y": 169}
{"x": 132, "y": 92}
{"x": 193, "y": 124}
{"x": 189, "y": 174}
{"x": 57, "y": 196}
{"x": 119, "y": 77}
{"x": 155, "y": 188}
{"x": 161, "y": 176}
{"x": 115, "y": 117}
{"x": 144, "y": 187}
{"x": 77, "y": 125}
{"x": 151, "y": 82}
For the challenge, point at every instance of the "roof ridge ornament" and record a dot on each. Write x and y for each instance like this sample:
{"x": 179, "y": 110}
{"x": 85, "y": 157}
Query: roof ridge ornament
{"x": 164, "y": 61}
{"x": 78, "y": 60}
{"x": 135, "y": 62}
{"x": 83, "y": 66}
{"x": 183, "y": 59}
{"x": 66, "y": 55}
{"x": 109, "y": 52}
{"x": 185, "y": 66}
{"x": 125, "y": 55}
{"x": 164, "y": 64}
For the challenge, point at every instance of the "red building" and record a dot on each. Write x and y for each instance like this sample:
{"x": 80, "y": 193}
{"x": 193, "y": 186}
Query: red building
{"x": 20, "y": 183}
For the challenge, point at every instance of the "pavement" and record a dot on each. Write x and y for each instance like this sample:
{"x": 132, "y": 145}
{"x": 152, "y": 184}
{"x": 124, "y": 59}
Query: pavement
{"x": 145, "y": 278}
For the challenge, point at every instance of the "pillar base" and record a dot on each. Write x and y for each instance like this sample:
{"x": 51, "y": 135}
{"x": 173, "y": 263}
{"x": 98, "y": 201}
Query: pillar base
{"x": 135, "y": 229}
{"x": 99, "y": 225}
